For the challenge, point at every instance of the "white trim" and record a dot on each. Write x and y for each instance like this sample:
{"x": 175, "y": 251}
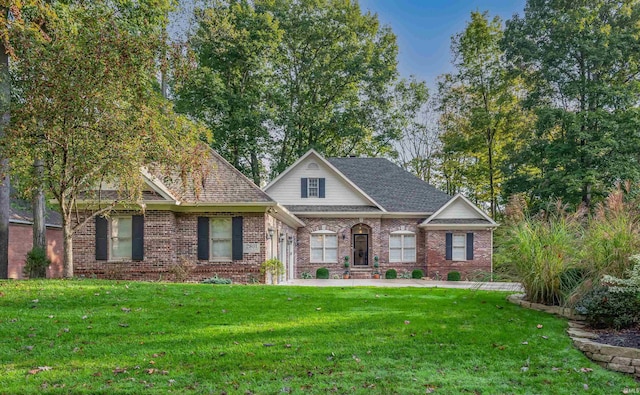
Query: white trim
{"x": 158, "y": 186}
{"x": 402, "y": 232}
{"x": 492, "y": 223}
{"x": 324, "y": 232}
{"x": 330, "y": 166}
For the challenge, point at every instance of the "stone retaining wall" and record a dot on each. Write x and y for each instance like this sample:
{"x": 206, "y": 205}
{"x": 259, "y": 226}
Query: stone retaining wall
{"x": 619, "y": 359}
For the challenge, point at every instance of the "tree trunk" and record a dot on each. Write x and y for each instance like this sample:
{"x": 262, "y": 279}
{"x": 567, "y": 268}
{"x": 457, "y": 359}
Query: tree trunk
{"x": 37, "y": 205}
{"x": 5, "y": 187}
{"x": 67, "y": 233}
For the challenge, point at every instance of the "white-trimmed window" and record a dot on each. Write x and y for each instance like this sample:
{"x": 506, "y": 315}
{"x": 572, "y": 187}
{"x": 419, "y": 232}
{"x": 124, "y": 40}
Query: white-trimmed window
{"x": 459, "y": 247}
{"x": 313, "y": 187}
{"x": 324, "y": 247}
{"x": 402, "y": 246}
{"x": 220, "y": 232}
{"x": 121, "y": 237}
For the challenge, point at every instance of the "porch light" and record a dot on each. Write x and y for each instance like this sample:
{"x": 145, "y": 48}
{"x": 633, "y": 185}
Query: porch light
{"x": 344, "y": 235}
{"x": 270, "y": 234}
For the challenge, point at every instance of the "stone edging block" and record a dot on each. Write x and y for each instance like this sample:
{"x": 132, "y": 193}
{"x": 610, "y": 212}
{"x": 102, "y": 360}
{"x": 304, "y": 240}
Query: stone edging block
{"x": 619, "y": 359}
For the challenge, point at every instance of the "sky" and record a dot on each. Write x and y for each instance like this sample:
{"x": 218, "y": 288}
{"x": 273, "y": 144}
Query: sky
{"x": 424, "y": 29}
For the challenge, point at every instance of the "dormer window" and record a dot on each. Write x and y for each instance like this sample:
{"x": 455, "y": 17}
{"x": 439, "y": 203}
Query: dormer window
{"x": 312, "y": 188}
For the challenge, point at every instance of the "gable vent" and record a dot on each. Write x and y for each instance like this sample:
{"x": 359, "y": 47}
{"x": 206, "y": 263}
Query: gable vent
{"x": 313, "y": 166}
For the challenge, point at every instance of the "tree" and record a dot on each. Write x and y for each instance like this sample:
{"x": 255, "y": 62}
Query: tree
{"x": 486, "y": 107}
{"x": 86, "y": 104}
{"x": 580, "y": 59}
{"x": 335, "y": 69}
{"x": 5, "y": 117}
{"x": 228, "y": 87}
{"x": 419, "y": 147}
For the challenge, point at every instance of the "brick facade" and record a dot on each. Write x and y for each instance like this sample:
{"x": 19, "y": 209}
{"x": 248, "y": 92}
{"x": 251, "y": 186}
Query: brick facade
{"x": 170, "y": 249}
{"x": 438, "y": 266}
{"x": 21, "y": 242}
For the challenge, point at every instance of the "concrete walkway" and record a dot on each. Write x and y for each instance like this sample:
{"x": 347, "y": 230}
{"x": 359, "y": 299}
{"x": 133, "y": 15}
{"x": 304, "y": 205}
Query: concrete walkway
{"x": 497, "y": 286}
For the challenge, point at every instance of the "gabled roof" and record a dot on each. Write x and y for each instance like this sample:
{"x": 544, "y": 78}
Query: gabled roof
{"x": 221, "y": 183}
{"x": 479, "y": 218}
{"x": 392, "y": 187}
{"x": 321, "y": 158}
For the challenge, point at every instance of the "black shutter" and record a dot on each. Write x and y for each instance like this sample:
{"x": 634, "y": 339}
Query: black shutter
{"x": 321, "y": 187}
{"x": 469, "y": 246}
{"x": 102, "y": 243}
{"x": 203, "y": 238}
{"x": 236, "y": 240}
{"x": 303, "y": 187}
{"x": 449, "y": 247}
{"x": 137, "y": 246}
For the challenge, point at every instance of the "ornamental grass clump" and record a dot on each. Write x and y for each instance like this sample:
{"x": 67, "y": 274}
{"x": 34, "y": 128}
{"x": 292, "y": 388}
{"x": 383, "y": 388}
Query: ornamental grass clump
{"x": 612, "y": 236}
{"x": 540, "y": 249}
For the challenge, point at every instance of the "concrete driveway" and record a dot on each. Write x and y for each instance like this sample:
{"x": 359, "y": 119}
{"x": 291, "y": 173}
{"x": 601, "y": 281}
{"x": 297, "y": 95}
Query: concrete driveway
{"x": 495, "y": 286}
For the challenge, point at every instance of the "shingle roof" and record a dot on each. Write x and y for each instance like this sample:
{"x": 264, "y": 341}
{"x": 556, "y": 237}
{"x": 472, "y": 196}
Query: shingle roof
{"x": 20, "y": 211}
{"x": 389, "y": 185}
{"x": 460, "y": 221}
{"x": 222, "y": 183}
{"x": 324, "y": 209}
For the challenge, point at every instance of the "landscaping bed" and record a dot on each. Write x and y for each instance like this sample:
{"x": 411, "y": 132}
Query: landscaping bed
{"x": 622, "y": 338}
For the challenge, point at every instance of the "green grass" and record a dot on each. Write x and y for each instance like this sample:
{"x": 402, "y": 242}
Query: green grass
{"x": 104, "y": 337}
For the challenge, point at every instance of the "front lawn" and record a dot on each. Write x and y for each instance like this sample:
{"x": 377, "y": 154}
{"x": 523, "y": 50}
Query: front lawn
{"x": 128, "y": 337}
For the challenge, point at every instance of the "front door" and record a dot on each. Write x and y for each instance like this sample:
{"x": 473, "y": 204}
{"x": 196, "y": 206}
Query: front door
{"x": 361, "y": 250}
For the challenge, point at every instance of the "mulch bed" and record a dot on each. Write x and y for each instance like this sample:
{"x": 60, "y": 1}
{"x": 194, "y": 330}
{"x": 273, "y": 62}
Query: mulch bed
{"x": 622, "y": 338}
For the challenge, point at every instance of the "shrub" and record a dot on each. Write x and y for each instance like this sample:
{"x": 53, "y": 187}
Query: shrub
{"x": 322, "y": 273}
{"x": 604, "y": 308}
{"x": 217, "y": 280}
{"x": 306, "y": 275}
{"x": 273, "y": 267}
{"x": 571, "y": 279}
{"x": 417, "y": 274}
{"x": 453, "y": 276}
{"x": 36, "y": 263}
{"x": 405, "y": 275}
{"x": 391, "y": 274}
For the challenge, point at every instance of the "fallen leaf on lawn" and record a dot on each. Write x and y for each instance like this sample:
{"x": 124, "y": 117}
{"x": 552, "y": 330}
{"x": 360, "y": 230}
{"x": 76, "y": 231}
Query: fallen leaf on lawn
{"x": 96, "y": 294}
{"x": 97, "y": 374}
{"x": 555, "y": 369}
{"x": 119, "y": 370}
{"x": 268, "y": 344}
{"x": 524, "y": 368}
{"x": 151, "y": 371}
{"x": 525, "y": 343}
{"x": 50, "y": 316}
{"x": 171, "y": 382}
{"x": 34, "y": 371}
{"x": 164, "y": 372}
{"x": 289, "y": 299}
{"x": 224, "y": 311}
{"x": 35, "y": 300}
{"x": 407, "y": 322}
{"x": 89, "y": 327}
{"x": 44, "y": 368}
{"x": 539, "y": 326}
{"x": 498, "y": 306}
{"x": 126, "y": 310}
{"x": 84, "y": 317}
{"x": 545, "y": 337}
{"x": 318, "y": 308}
{"x": 355, "y": 358}
{"x": 28, "y": 348}
{"x": 377, "y": 296}
{"x": 585, "y": 386}
{"x": 287, "y": 346}
{"x": 1, "y": 294}
{"x": 122, "y": 324}
{"x": 152, "y": 362}
{"x": 586, "y": 370}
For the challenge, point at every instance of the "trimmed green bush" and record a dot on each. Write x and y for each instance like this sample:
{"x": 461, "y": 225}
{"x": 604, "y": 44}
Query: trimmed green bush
{"x": 606, "y": 309}
{"x": 306, "y": 275}
{"x": 322, "y": 273}
{"x": 453, "y": 276}
{"x": 417, "y": 274}
{"x": 391, "y": 274}
{"x": 36, "y": 263}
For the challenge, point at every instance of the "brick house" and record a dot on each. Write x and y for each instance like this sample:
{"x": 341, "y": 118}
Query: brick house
{"x": 312, "y": 215}
{"x": 226, "y": 227}
{"x": 21, "y": 239}
{"x": 368, "y": 208}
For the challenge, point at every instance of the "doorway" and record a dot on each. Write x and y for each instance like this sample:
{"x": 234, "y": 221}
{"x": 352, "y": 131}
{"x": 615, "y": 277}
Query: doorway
{"x": 360, "y": 249}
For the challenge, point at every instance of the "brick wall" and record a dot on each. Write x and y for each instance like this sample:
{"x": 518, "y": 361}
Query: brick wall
{"x": 21, "y": 242}
{"x": 170, "y": 249}
{"x": 436, "y": 255}
{"x": 379, "y": 230}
